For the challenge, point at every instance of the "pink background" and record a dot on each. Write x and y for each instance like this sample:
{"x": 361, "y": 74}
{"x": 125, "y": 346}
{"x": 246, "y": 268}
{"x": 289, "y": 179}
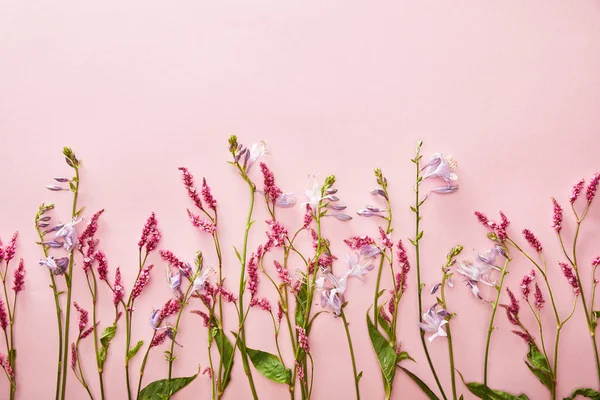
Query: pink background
{"x": 138, "y": 88}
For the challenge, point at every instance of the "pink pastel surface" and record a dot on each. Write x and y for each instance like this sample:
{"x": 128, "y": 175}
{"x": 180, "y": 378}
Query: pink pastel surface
{"x": 139, "y": 88}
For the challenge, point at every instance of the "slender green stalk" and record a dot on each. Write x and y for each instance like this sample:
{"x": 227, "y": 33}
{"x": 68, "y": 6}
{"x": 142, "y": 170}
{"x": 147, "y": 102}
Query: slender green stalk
{"x": 355, "y": 373}
{"x": 242, "y": 331}
{"x": 81, "y": 377}
{"x": 69, "y": 281}
{"x": 491, "y": 326}
{"x": 42, "y": 209}
{"x": 418, "y": 236}
{"x": 143, "y": 366}
{"x": 383, "y": 183}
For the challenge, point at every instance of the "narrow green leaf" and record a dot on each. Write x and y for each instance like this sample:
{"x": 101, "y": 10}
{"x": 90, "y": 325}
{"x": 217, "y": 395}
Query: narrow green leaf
{"x": 384, "y": 324}
{"x": 413, "y": 209}
{"x": 226, "y": 351}
{"x": 386, "y": 355}
{"x": 301, "y": 299}
{"x": 360, "y": 374}
{"x": 420, "y": 235}
{"x": 107, "y": 335}
{"x": 539, "y": 366}
{"x": 163, "y": 389}
{"x": 479, "y": 390}
{"x": 133, "y": 351}
{"x": 381, "y": 292}
{"x": 269, "y": 366}
{"x": 403, "y": 355}
{"x": 421, "y": 384}
{"x": 237, "y": 253}
{"x": 585, "y": 392}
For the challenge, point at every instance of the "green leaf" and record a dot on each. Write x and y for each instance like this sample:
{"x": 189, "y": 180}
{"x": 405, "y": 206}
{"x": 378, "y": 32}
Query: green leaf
{"x": 270, "y": 366}
{"x": 386, "y": 355}
{"x": 301, "y": 299}
{"x": 420, "y": 235}
{"x": 133, "y": 351}
{"x": 360, "y": 374}
{"x": 226, "y": 351}
{"x": 163, "y": 389}
{"x": 479, "y": 390}
{"x": 384, "y": 324}
{"x": 107, "y": 335}
{"x": 78, "y": 213}
{"x": 539, "y": 366}
{"x": 421, "y": 384}
{"x": 403, "y": 355}
{"x": 589, "y": 393}
{"x": 237, "y": 253}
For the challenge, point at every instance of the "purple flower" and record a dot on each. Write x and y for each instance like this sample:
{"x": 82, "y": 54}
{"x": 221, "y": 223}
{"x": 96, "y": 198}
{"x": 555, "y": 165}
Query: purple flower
{"x": 442, "y": 167}
{"x": 69, "y": 234}
{"x": 479, "y": 270}
{"x": 174, "y": 280}
{"x": 58, "y": 266}
{"x": 433, "y": 322}
{"x": 155, "y": 318}
{"x": 359, "y": 265}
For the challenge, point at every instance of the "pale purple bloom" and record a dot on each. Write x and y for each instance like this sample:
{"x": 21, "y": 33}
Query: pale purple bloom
{"x": 57, "y": 266}
{"x": 379, "y": 192}
{"x": 359, "y": 265}
{"x": 342, "y": 216}
{"x": 53, "y": 244}
{"x": 433, "y": 322}
{"x": 258, "y": 150}
{"x": 55, "y": 188}
{"x": 69, "y": 234}
{"x": 155, "y": 318}
{"x": 314, "y": 195}
{"x": 444, "y": 189}
{"x": 479, "y": 270}
{"x": 371, "y": 211}
{"x": 442, "y": 167}
{"x": 200, "y": 281}
{"x": 61, "y": 179}
{"x": 174, "y": 281}
{"x": 285, "y": 200}
{"x": 332, "y": 291}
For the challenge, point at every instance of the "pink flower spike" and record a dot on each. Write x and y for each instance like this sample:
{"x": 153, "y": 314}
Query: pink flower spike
{"x": 576, "y": 191}
{"x": 90, "y": 230}
{"x": 73, "y": 356}
{"x": 188, "y": 182}
{"x": 284, "y": 274}
{"x": 303, "y": 339}
{"x": 272, "y": 192}
{"x": 308, "y": 217}
{"x": 557, "y": 216}
{"x": 159, "y": 339}
{"x": 525, "y": 284}
{"x": 404, "y": 267}
{"x": 150, "y": 234}
{"x": 226, "y": 294}
{"x": 523, "y": 335}
{"x": 386, "y": 240}
{"x": 279, "y": 311}
{"x": 168, "y": 256}
{"x": 571, "y": 278}
{"x": 3, "y": 316}
{"x": 102, "y": 266}
{"x": 532, "y": 240}
{"x": 207, "y": 371}
{"x": 252, "y": 269}
{"x": 208, "y": 197}
{"x": 19, "y": 277}
{"x": 119, "y": 290}
{"x": 171, "y": 307}
{"x": 539, "y": 298}
{"x": 203, "y": 224}
{"x": 261, "y": 303}
{"x": 592, "y": 188}
{"x": 11, "y": 248}
{"x": 142, "y": 281}
{"x": 83, "y": 317}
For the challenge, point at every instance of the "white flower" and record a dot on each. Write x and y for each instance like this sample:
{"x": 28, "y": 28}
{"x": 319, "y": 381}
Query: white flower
{"x": 359, "y": 266}
{"x": 314, "y": 195}
{"x": 441, "y": 166}
{"x": 434, "y": 321}
{"x": 258, "y": 150}
{"x": 69, "y": 234}
{"x": 200, "y": 281}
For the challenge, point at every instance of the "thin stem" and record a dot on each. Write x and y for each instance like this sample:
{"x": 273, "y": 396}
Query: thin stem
{"x": 356, "y": 378}
{"x": 380, "y": 269}
{"x": 81, "y": 376}
{"x": 69, "y": 281}
{"x": 418, "y": 236}
{"x": 242, "y": 331}
{"x": 449, "y": 336}
{"x": 94, "y": 292}
{"x": 491, "y": 327}
{"x": 58, "y": 311}
{"x": 143, "y": 366}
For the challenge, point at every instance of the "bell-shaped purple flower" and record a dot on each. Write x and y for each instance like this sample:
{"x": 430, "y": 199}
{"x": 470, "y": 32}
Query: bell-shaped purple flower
{"x": 433, "y": 322}
{"x": 58, "y": 266}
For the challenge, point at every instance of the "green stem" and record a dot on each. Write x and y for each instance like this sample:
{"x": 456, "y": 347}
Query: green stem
{"x": 58, "y": 311}
{"x": 82, "y": 377}
{"x": 491, "y": 326}
{"x": 94, "y": 291}
{"x": 356, "y": 378}
{"x": 69, "y": 281}
{"x": 143, "y": 366}
{"x": 449, "y": 336}
{"x": 242, "y": 331}
{"x": 418, "y": 267}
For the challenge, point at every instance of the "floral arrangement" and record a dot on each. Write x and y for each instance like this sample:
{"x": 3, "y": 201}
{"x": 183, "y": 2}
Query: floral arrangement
{"x": 309, "y": 282}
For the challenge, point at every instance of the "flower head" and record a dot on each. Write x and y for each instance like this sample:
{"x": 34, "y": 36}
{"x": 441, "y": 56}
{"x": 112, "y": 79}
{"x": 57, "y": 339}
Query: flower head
{"x": 207, "y": 196}
{"x": 539, "y": 298}
{"x": 332, "y": 291}
{"x": 557, "y": 216}
{"x": 58, "y": 266}
{"x": 525, "y": 284}
{"x": 204, "y": 225}
{"x": 90, "y": 229}
{"x": 174, "y": 280}
{"x": 83, "y": 317}
{"x": 359, "y": 265}
{"x": 188, "y": 182}
{"x": 532, "y": 240}
{"x": 442, "y": 167}
{"x": 202, "y": 279}
{"x": 102, "y": 266}
{"x": 119, "y": 290}
{"x": 150, "y": 234}
{"x": 592, "y": 188}
{"x": 19, "y": 277}
{"x": 576, "y": 191}
{"x": 142, "y": 281}
{"x": 478, "y": 270}
{"x": 433, "y": 322}
{"x": 404, "y": 267}
{"x": 69, "y": 234}
{"x": 303, "y": 339}
{"x": 11, "y": 248}
{"x": 3, "y": 316}
{"x": 571, "y": 278}
{"x": 261, "y": 303}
